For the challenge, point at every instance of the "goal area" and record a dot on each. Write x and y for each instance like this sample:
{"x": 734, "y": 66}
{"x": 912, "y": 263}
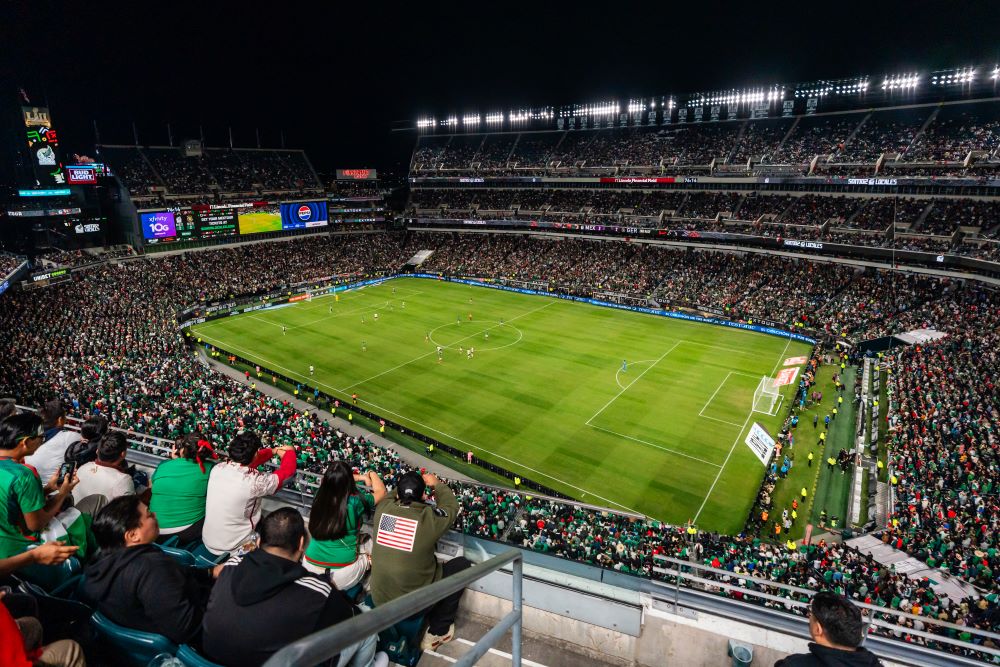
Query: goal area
{"x": 767, "y": 399}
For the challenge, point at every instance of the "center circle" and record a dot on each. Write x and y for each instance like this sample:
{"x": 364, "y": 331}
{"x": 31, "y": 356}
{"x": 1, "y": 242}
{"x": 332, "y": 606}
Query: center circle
{"x": 478, "y": 336}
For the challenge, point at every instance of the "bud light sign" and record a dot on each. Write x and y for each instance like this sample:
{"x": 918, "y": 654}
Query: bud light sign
{"x": 158, "y": 226}
{"x": 299, "y": 215}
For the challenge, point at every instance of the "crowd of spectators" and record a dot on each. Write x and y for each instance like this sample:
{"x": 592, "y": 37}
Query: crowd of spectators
{"x": 107, "y": 344}
{"x": 8, "y": 263}
{"x": 225, "y": 170}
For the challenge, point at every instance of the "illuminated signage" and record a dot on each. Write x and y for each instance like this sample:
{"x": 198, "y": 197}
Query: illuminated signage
{"x": 81, "y": 175}
{"x": 57, "y": 192}
{"x": 356, "y": 175}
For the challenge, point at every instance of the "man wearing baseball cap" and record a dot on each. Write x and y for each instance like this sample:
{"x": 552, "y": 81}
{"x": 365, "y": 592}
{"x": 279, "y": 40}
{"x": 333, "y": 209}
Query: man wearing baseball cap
{"x": 407, "y": 528}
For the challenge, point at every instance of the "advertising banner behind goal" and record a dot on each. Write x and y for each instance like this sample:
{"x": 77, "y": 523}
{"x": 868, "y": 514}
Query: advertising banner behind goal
{"x": 760, "y": 443}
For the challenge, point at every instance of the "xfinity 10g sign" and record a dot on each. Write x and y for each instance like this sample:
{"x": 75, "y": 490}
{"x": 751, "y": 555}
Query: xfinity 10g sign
{"x": 159, "y": 225}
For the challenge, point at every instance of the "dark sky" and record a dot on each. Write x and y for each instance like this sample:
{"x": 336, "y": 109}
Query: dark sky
{"x": 336, "y": 79}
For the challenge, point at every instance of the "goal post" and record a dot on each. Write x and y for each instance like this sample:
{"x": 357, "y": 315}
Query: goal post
{"x": 766, "y": 398}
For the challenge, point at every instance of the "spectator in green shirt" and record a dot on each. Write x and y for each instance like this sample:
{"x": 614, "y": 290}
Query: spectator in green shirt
{"x": 24, "y": 509}
{"x": 337, "y": 546}
{"x": 180, "y": 486}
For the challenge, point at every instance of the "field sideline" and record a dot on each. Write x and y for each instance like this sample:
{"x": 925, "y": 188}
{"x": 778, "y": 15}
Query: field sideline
{"x": 545, "y": 395}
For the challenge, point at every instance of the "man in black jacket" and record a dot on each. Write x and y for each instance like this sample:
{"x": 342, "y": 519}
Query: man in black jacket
{"x": 837, "y": 632}
{"x": 265, "y": 600}
{"x": 135, "y": 584}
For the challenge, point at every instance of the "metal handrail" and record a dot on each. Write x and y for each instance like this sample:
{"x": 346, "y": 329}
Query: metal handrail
{"x": 327, "y": 643}
{"x": 872, "y": 610}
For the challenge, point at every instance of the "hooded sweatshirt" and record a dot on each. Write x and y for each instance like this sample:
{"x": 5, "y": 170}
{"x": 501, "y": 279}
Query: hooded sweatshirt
{"x": 145, "y": 589}
{"x": 263, "y": 602}
{"x": 822, "y": 656}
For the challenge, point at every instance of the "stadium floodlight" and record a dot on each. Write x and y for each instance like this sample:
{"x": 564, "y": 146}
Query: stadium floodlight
{"x": 425, "y": 122}
{"x": 901, "y": 82}
{"x": 494, "y": 118}
{"x": 996, "y": 73}
{"x": 470, "y": 119}
{"x": 767, "y": 398}
{"x": 450, "y": 121}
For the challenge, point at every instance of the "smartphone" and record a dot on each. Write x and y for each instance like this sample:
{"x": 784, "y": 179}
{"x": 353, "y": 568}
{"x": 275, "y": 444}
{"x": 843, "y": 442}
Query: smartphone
{"x": 65, "y": 469}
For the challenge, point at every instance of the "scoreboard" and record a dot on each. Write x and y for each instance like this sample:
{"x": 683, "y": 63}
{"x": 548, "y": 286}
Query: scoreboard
{"x": 214, "y": 222}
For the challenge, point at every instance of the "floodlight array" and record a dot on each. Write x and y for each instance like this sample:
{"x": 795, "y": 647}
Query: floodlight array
{"x": 901, "y": 82}
{"x": 953, "y": 77}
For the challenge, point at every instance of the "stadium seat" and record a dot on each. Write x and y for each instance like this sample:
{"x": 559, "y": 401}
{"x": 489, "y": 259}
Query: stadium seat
{"x": 134, "y": 646}
{"x": 205, "y": 556}
{"x": 185, "y": 558}
{"x": 402, "y": 641}
{"x": 191, "y": 658}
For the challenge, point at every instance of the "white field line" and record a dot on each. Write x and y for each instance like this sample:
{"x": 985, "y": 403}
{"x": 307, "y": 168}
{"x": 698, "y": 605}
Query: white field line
{"x": 521, "y": 465}
{"x": 651, "y": 444}
{"x": 335, "y": 315}
{"x": 261, "y": 319}
{"x": 721, "y": 421}
{"x": 423, "y": 356}
{"x": 502, "y": 654}
{"x": 737, "y": 440}
{"x": 625, "y": 388}
{"x": 701, "y": 413}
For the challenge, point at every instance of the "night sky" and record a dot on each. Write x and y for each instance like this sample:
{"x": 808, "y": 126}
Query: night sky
{"x": 336, "y": 80}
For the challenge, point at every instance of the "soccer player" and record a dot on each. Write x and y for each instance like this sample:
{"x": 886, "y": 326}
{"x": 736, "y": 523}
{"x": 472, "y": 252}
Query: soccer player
{"x": 331, "y": 309}
{"x": 402, "y": 305}
{"x": 393, "y": 290}
{"x": 354, "y": 397}
{"x": 624, "y": 366}
{"x": 472, "y": 352}
{"x": 284, "y": 330}
{"x": 376, "y": 317}
{"x": 427, "y": 337}
{"x": 311, "y": 369}
{"x": 487, "y": 335}
{"x": 364, "y": 346}
{"x": 470, "y": 317}
{"x": 440, "y": 352}
{"x": 501, "y": 321}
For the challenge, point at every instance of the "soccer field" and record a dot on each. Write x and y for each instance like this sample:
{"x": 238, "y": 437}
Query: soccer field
{"x": 546, "y": 395}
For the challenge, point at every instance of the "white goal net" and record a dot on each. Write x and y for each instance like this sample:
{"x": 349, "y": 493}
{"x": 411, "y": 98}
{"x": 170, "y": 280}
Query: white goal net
{"x": 766, "y": 398}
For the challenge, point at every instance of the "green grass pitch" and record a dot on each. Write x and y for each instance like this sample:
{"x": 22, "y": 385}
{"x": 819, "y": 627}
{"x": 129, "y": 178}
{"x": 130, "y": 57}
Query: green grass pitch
{"x": 545, "y": 394}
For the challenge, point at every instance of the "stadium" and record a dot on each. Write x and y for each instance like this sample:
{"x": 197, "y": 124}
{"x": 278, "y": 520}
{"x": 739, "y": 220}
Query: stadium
{"x": 704, "y": 377}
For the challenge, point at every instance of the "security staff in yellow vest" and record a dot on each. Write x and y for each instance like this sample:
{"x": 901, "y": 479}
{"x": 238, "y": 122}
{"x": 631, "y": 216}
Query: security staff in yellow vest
{"x": 407, "y": 529}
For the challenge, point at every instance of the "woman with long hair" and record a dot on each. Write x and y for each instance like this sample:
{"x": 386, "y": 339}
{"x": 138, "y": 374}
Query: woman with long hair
{"x": 338, "y": 547}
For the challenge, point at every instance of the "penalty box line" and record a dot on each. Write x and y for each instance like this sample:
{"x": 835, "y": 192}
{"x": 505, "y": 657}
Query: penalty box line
{"x": 626, "y": 387}
{"x": 737, "y": 440}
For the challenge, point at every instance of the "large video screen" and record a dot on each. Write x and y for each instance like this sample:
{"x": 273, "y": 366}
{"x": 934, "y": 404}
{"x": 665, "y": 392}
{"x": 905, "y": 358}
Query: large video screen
{"x": 260, "y": 219}
{"x": 300, "y": 215}
{"x": 159, "y": 227}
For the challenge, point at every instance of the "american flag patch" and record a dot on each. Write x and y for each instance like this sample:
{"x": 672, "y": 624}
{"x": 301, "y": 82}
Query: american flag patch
{"x": 396, "y": 532}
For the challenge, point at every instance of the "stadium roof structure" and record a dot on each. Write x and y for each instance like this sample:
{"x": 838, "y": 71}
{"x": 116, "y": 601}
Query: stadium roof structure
{"x": 752, "y": 101}
{"x": 920, "y": 336}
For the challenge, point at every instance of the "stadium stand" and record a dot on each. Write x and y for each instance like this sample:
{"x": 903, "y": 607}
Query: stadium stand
{"x": 124, "y": 358}
{"x": 240, "y": 170}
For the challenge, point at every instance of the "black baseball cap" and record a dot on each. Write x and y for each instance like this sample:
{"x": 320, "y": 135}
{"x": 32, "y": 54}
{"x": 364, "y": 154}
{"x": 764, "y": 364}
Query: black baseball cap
{"x": 410, "y": 486}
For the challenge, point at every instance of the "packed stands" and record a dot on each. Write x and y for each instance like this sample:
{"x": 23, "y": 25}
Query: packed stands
{"x": 124, "y": 358}
{"x": 239, "y": 170}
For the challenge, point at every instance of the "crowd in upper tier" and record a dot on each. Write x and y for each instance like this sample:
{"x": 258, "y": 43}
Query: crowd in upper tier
{"x": 924, "y": 141}
{"x": 248, "y": 171}
{"x": 106, "y": 344}
{"x": 959, "y": 225}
